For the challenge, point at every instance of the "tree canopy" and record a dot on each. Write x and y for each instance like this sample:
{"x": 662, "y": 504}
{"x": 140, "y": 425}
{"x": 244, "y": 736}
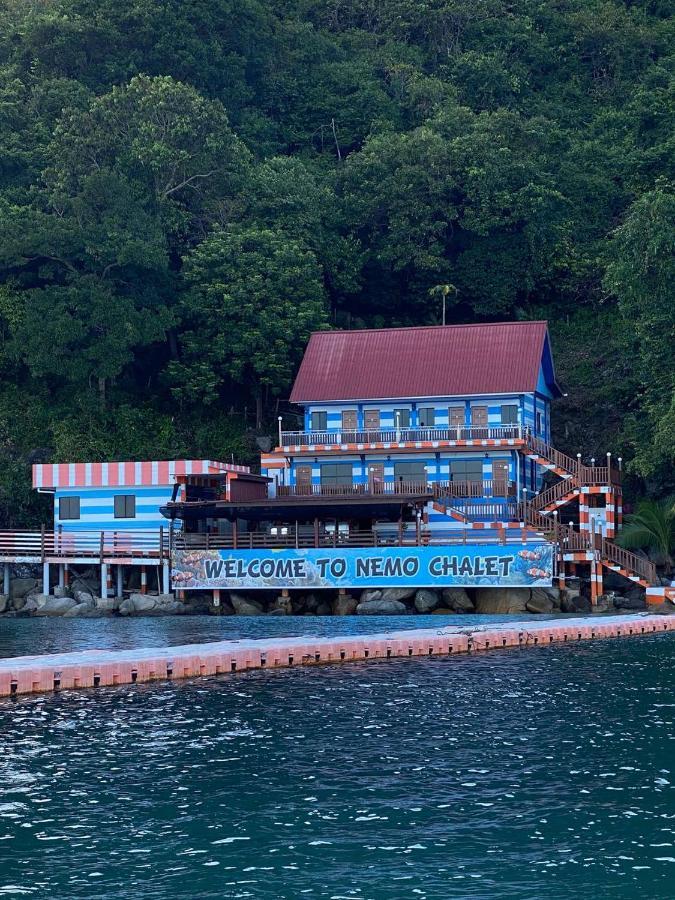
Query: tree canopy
{"x": 187, "y": 190}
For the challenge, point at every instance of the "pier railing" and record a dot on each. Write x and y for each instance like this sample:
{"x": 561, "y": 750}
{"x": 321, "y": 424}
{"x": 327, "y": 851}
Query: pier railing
{"x": 97, "y": 545}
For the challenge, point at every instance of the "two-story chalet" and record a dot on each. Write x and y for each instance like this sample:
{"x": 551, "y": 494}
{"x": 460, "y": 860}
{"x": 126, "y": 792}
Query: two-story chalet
{"x": 434, "y": 405}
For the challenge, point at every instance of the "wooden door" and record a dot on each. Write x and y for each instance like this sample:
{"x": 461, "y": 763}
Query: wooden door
{"x": 376, "y": 477}
{"x": 303, "y": 479}
{"x": 349, "y": 420}
{"x": 500, "y": 477}
{"x": 479, "y": 416}
{"x": 456, "y": 416}
{"x": 371, "y": 419}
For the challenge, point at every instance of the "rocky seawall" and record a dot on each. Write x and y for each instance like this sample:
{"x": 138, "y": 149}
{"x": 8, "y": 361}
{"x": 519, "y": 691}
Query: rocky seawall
{"x": 80, "y": 600}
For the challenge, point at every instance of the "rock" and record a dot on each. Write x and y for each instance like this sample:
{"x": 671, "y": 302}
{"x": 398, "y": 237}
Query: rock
{"x": 552, "y": 594}
{"x": 324, "y": 609}
{"x": 4, "y": 603}
{"x": 630, "y": 601}
{"x": 56, "y": 606}
{"x": 539, "y": 604}
{"x": 398, "y": 594}
{"x": 370, "y": 595}
{"x": 381, "y": 608}
{"x": 311, "y": 603}
{"x": 243, "y": 606}
{"x": 281, "y": 606}
{"x": 82, "y": 596}
{"x": 83, "y": 585}
{"x": 78, "y": 610}
{"x": 143, "y": 602}
{"x": 574, "y": 603}
{"x": 35, "y": 601}
{"x": 19, "y": 587}
{"x": 344, "y": 605}
{"x": 456, "y": 598}
{"x": 106, "y": 604}
{"x": 425, "y": 600}
{"x": 60, "y": 591}
{"x": 502, "y": 600}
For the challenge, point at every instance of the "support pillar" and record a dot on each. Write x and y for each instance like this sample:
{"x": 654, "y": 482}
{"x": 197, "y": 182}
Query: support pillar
{"x": 216, "y": 597}
{"x": 62, "y": 575}
{"x": 104, "y": 580}
{"x": 584, "y": 512}
{"x": 6, "y": 580}
{"x": 66, "y": 575}
{"x": 596, "y": 581}
{"x": 144, "y": 580}
{"x": 561, "y": 575}
{"x": 109, "y": 579}
{"x": 610, "y": 514}
{"x": 166, "y": 582}
{"x": 120, "y": 582}
{"x": 45, "y": 578}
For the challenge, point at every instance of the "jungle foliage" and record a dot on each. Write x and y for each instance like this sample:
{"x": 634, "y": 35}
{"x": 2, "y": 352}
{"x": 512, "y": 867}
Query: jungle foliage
{"x": 188, "y": 189}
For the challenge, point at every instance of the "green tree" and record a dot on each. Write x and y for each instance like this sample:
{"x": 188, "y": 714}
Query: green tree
{"x": 641, "y": 274}
{"x": 651, "y": 527}
{"x": 255, "y": 296}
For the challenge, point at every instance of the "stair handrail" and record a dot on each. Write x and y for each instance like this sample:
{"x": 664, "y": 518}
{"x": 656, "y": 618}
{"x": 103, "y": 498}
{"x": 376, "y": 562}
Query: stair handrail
{"x": 628, "y": 560}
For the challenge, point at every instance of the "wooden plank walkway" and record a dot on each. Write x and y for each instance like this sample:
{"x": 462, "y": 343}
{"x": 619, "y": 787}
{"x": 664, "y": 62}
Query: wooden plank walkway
{"x": 94, "y": 668}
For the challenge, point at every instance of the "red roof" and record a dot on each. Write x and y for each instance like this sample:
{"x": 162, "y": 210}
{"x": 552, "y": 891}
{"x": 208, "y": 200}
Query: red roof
{"x": 437, "y": 361}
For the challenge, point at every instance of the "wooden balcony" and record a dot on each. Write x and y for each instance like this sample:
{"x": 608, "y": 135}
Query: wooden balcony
{"x": 399, "y": 436}
{"x": 444, "y": 490}
{"x": 95, "y": 546}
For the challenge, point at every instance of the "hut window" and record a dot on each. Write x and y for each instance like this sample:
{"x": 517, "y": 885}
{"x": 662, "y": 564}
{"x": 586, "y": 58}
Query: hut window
{"x": 69, "y": 508}
{"x": 427, "y": 417}
{"x": 402, "y": 418}
{"x": 125, "y": 506}
{"x": 510, "y": 414}
{"x": 410, "y": 472}
{"x": 336, "y": 473}
{"x": 318, "y": 421}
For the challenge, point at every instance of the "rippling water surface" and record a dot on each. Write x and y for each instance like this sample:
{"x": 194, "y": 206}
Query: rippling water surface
{"x": 541, "y": 773}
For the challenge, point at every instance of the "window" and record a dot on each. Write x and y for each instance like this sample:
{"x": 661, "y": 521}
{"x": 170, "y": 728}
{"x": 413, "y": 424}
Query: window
{"x": 410, "y": 471}
{"x": 466, "y": 470}
{"x": 427, "y": 417}
{"x": 539, "y": 428}
{"x": 510, "y": 414}
{"x": 336, "y": 473}
{"x": 456, "y": 416}
{"x": 69, "y": 508}
{"x": 318, "y": 421}
{"x": 401, "y": 418}
{"x": 125, "y": 506}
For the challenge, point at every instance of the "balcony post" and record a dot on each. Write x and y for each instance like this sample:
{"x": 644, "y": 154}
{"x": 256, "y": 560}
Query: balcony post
{"x": 234, "y": 535}
{"x": 316, "y": 531}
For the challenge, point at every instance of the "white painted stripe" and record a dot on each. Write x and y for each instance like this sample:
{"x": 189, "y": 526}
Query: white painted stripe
{"x": 55, "y": 475}
{"x": 137, "y": 472}
{"x": 155, "y": 473}
{"x": 37, "y": 476}
{"x": 104, "y": 475}
{"x": 87, "y": 474}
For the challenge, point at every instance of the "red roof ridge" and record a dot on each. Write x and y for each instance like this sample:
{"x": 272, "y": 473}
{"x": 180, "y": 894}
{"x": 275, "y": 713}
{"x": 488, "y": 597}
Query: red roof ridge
{"x": 429, "y": 327}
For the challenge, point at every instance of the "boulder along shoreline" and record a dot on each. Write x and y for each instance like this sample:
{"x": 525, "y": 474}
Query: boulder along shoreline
{"x": 80, "y": 600}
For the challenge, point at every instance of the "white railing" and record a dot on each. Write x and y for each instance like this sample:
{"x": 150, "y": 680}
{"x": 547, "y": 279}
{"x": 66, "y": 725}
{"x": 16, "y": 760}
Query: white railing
{"x": 401, "y": 435}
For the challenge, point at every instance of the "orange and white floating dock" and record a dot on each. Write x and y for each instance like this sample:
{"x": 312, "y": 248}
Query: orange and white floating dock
{"x": 98, "y": 668}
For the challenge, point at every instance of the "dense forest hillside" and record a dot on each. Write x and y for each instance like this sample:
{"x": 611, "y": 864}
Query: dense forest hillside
{"x": 189, "y": 187}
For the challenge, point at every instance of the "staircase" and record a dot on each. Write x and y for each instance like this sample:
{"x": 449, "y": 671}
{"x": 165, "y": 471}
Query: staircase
{"x": 558, "y": 495}
{"x": 617, "y": 559}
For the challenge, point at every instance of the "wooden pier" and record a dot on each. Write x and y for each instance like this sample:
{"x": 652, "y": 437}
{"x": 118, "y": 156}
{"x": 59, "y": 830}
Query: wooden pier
{"x": 99, "y": 668}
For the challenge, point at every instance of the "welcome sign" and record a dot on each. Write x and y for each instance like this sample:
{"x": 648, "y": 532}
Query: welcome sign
{"x": 467, "y": 565}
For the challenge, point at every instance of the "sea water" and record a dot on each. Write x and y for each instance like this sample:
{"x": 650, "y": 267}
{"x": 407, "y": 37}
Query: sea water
{"x": 540, "y": 773}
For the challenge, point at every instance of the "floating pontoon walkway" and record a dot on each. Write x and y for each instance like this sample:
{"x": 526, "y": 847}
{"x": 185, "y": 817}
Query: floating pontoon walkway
{"x": 95, "y": 668}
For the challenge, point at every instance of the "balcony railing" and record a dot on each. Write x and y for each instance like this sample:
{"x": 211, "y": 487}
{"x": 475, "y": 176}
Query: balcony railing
{"x": 297, "y": 538}
{"x": 401, "y": 435}
{"x": 445, "y": 490}
{"x": 97, "y": 545}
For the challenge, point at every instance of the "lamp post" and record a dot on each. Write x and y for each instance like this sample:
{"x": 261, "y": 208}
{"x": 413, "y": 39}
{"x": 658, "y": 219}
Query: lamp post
{"x": 279, "y": 421}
